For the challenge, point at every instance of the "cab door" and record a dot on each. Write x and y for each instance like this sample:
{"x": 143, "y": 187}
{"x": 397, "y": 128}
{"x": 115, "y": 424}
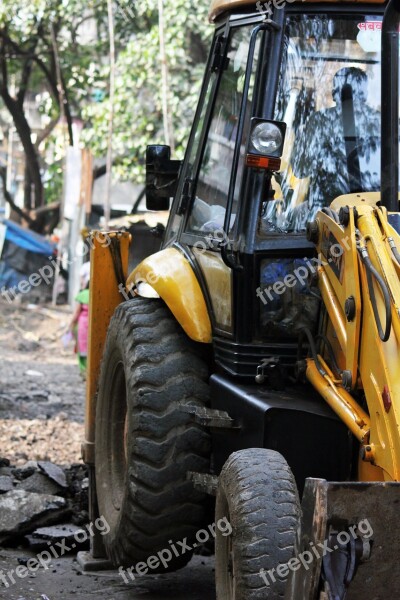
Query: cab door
{"x": 214, "y": 177}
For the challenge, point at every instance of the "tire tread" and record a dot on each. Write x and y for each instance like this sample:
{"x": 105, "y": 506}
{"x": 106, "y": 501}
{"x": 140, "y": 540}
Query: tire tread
{"x": 163, "y": 369}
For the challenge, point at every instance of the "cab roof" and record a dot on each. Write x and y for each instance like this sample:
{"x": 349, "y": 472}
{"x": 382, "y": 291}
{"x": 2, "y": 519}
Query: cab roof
{"x": 220, "y": 6}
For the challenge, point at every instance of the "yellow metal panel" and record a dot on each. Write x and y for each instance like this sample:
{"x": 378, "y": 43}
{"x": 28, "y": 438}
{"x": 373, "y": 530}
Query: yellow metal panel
{"x": 379, "y": 361}
{"x": 219, "y": 281}
{"x": 344, "y": 405}
{"x": 359, "y": 199}
{"x": 169, "y": 273}
{"x": 368, "y": 472}
{"x": 339, "y": 280}
{"x": 104, "y": 298}
{"x": 376, "y": 363}
{"x": 220, "y": 6}
{"x": 368, "y": 198}
{"x": 335, "y": 311}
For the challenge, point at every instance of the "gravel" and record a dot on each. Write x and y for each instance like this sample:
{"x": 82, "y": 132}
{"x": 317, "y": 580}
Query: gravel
{"x": 41, "y": 393}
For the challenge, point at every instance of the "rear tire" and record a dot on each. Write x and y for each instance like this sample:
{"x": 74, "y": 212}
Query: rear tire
{"x": 145, "y": 443}
{"x": 257, "y": 494}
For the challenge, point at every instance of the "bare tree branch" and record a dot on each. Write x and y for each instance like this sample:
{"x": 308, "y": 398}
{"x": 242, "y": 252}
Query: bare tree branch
{"x": 46, "y": 132}
{"x": 3, "y": 67}
{"x": 9, "y": 199}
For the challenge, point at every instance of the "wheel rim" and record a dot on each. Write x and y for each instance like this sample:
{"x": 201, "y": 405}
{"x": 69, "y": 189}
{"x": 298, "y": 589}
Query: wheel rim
{"x": 118, "y": 437}
{"x": 226, "y": 575}
{"x": 231, "y": 580}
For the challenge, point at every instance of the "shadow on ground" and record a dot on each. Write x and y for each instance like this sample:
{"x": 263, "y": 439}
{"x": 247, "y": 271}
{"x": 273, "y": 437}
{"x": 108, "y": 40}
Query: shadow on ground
{"x": 64, "y": 581}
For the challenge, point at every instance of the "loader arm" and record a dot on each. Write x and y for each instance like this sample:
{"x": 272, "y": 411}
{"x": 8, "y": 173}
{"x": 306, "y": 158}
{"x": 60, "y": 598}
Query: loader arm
{"x": 358, "y": 279}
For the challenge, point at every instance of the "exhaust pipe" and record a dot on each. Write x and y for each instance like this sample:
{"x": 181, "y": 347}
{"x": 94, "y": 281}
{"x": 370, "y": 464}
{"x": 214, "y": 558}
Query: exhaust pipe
{"x": 390, "y": 107}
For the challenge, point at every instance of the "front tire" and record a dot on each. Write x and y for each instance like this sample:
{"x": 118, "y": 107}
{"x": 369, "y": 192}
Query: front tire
{"x": 257, "y": 494}
{"x": 145, "y": 443}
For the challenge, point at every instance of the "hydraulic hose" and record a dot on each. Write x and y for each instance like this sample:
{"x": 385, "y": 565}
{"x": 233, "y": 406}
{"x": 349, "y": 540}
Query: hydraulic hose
{"x": 372, "y": 272}
{"x": 394, "y": 250}
{"x": 331, "y": 353}
{"x": 304, "y": 332}
{"x": 331, "y": 213}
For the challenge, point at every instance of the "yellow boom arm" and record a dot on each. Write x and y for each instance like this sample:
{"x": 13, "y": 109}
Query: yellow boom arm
{"x": 358, "y": 277}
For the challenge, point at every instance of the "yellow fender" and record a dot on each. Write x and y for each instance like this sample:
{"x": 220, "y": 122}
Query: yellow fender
{"x": 168, "y": 274}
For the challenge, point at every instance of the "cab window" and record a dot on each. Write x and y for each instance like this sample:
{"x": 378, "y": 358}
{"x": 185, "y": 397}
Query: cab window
{"x": 210, "y": 198}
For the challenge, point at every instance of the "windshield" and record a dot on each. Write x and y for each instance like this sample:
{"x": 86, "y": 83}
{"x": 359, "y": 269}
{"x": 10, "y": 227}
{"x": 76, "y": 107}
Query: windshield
{"x": 329, "y": 97}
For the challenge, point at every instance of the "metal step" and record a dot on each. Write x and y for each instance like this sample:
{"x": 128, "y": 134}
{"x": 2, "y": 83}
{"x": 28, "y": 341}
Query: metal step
{"x": 209, "y": 417}
{"x": 88, "y": 564}
{"x": 204, "y": 482}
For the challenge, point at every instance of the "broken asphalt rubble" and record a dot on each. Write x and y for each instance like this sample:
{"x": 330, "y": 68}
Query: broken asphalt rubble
{"x": 41, "y": 503}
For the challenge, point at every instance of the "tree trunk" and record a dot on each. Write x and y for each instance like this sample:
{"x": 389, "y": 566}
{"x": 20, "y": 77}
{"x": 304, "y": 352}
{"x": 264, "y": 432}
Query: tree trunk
{"x": 31, "y": 156}
{"x": 27, "y": 189}
{"x": 8, "y": 198}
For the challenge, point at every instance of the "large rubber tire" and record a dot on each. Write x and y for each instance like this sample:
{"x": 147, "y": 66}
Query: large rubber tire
{"x": 145, "y": 444}
{"x": 257, "y": 493}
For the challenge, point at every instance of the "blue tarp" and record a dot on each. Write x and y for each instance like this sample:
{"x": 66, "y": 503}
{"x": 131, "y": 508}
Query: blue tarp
{"x": 9, "y": 277}
{"x": 28, "y": 240}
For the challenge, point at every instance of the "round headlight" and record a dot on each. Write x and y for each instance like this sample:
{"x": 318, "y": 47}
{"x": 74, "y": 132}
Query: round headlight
{"x": 266, "y": 138}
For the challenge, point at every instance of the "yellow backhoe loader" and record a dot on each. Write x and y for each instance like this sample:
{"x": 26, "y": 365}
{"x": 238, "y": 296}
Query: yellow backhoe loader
{"x": 255, "y": 357}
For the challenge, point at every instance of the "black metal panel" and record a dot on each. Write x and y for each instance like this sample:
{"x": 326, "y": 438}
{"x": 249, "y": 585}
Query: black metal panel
{"x": 242, "y": 360}
{"x": 295, "y": 422}
{"x": 390, "y": 106}
{"x": 243, "y": 293}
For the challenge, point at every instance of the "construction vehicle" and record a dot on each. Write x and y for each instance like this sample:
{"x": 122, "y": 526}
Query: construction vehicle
{"x": 255, "y": 357}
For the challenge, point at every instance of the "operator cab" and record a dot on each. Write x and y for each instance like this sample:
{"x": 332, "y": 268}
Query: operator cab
{"x": 316, "y": 69}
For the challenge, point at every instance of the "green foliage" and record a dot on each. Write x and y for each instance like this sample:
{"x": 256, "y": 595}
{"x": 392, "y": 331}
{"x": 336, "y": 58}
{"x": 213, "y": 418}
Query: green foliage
{"x": 138, "y": 102}
{"x": 81, "y": 31}
{"x": 53, "y": 182}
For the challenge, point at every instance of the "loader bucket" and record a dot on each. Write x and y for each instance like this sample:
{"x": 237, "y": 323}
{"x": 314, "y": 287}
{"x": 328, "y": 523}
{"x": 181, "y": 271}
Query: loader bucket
{"x": 348, "y": 542}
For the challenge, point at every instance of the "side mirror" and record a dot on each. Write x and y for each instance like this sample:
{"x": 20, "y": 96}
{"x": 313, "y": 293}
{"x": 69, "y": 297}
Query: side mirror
{"x": 161, "y": 177}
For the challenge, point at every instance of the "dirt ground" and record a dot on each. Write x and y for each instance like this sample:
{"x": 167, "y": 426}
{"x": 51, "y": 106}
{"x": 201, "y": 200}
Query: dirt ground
{"x": 41, "y": 392}
{"x": 63, "y": 581}
{"x": 41, "y": 418}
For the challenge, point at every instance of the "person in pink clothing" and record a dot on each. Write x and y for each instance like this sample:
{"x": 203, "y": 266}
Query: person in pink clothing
{"x": 80, "y": 319}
